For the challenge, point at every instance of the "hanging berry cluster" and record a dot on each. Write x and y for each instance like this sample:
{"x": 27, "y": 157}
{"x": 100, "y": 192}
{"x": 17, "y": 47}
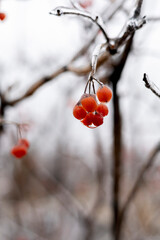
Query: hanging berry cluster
{"x": 91, "y": 108}
{"x": 20, "y": 149}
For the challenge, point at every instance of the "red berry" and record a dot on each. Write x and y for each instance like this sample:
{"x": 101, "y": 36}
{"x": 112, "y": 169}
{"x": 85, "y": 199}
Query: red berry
{"x": 104, "y": 94}
{"x": 24, "y": 142}
{"x": 19, "y": 151}
{"x": 79, "y": 112}
{"x": 89, "y": 103}
{"x": 98, "y": 120}
{"x": 2, "y": 16}
{"x": 88, "y": 120}
{"x": 102, "y": 109}
{"x": 86, "y": 3}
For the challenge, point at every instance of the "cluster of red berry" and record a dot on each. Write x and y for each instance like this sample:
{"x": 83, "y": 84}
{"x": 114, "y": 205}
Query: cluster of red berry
{"x": 21, "y": 148}
{"x": 2, "y": 16}
{"x": 89, "y": 111}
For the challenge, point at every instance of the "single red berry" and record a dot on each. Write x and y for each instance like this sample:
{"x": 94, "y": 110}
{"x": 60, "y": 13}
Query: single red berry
{"x": 2, "y": 16}
{"x": 104, "y": 94}
{"x": 24, "y": 142}
{"x": 88, "y": 120}
{"x": 89, "y": 103}
{"x": 19, "y": 151}
{"x": 79, "y": 112}
{"x": 98, "y": 120}
{"x": 102, "y": 109}
{"x": 86, "y": 3}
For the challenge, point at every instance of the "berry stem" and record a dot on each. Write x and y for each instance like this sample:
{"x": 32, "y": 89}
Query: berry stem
{"x": 89, "y": 86}
{"x": 85, "y": 90}
{"x": 100, "y": 83}
{"x": 93, "y": 87}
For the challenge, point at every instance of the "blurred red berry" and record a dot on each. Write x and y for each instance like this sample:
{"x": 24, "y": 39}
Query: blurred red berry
{"x": 85, "y": 3}
{"x": 89, "y": 103}
{"x": 24, "y": 142}
{"x": 2, "y": 16}
{"x": 97, "y": 119}
{"x": 104, "y": 94}
{"x": 19, "y": 151}
{"x": 79, "y": 112}
{"x": 102, "y": 109}
{"x": 88, "y": 120}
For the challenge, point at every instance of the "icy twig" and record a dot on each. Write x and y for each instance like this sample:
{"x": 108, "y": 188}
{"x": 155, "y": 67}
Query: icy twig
{"x": 151, "y": 85}
{"x": 95, "y": 56}
{"x": 71, "y": 11}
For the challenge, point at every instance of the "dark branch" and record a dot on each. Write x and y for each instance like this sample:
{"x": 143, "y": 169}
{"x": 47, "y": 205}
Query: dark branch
{"x": 137, "y": 11}
{"x": 151, "y": 85}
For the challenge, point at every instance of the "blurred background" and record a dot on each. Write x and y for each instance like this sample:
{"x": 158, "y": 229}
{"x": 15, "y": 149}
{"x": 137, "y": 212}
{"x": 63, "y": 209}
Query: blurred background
{"x": 62, "y": 189}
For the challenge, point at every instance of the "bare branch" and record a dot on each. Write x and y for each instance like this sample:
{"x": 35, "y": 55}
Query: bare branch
{"x": 151, "y": 85}
{"x": 137, "y": 11}
{"x": 132, "y": 25}
{"x": 71, "y": 11}
{"x": 81, "y": 71}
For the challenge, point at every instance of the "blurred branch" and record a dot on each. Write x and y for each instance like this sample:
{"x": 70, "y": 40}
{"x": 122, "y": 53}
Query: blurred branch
{"x": 137, "y": 11}
{"x": 70, "y": 203}
{"x": 69, "y": 68}
{"x": 71, "y": 11}
{"x": 138, "y": 182}
{"x": 152, "y": 19}
{"x": 151, "y": 85}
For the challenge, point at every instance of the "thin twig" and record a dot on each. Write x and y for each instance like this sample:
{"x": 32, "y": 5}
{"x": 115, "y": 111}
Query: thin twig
{"x": 71, "y": 11}
{"x": 69, "y": 68}
{"x": 153, "y": 19}
{"x": 137, "y": 11}
{"x": 151, "y": 85}
{"x": 134, "y": 23}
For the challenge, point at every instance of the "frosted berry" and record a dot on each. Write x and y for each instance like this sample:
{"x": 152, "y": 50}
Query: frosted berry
{"x": 79, "y": 112}
{"x": 98, "y": 120}
{"x": 88, "y": 120}
{"x": 19, "y": 151}
{"x": 102, "y": 109}
{"x": 2, "y": 16}
{"x": 89, "y": 103}
{"x": 104, "y": 94}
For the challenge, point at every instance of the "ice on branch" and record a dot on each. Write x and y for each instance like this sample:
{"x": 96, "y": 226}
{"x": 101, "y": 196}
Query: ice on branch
{"x": 59, "y": 11}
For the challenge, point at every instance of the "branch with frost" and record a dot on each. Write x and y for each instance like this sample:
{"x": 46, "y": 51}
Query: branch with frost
{"x": 151, "y": 85}
{"x": 59, "y": 11}
{"x": 133, "y": 24}
{"x": 95, "y": 56}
